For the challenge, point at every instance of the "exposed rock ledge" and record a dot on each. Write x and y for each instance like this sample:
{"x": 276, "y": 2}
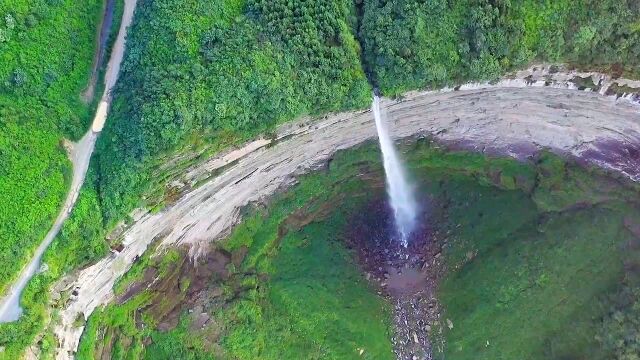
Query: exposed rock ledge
{"x": 516, "y": 117}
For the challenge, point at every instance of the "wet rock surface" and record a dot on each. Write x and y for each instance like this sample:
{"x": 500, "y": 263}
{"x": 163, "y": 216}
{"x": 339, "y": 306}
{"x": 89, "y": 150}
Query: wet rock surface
{"x": 406, "y": 277}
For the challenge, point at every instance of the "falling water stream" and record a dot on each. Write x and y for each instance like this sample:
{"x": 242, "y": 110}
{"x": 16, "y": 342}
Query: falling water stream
{"x": 402, "y": 199}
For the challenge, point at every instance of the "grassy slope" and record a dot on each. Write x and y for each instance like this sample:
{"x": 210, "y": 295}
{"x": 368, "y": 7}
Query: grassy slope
{"x": 315, "y": 304}
{"x": 532, "y": 277}
{"x": 541, "y": 260}
{"x": 46, "y": 50}
{"x": 534, "y": 295}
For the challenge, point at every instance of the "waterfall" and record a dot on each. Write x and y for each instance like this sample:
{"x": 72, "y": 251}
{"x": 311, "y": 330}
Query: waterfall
{"x": 398, "y": 188}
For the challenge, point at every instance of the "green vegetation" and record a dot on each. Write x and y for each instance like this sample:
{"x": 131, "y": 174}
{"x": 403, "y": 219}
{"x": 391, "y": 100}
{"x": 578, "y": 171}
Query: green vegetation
{"x": 221, "y": 72}
{"x": 619, "y": 333}
{"x": 545, "y": 244}
{"x": 315, "y": 303}
{"x": 295, "y": 292}
{"x": 411, "y": 44}
{"x": 532, "y": 271}
{"x": 201, "y": 74}
{"x": 80, "y": 242}
{"x": 114, "y": 331}
{"x": 46, "y": 51}
{"x": 34, "y": 171}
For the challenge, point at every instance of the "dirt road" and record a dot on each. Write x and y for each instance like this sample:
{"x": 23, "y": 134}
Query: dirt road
{"x": 80, "y": 155}
{"x": 515, "y": 117}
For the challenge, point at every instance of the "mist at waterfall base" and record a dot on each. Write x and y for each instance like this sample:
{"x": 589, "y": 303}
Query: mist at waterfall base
{"x": 401, "y": 194}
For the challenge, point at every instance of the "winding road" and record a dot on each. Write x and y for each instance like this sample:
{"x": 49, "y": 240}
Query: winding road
{"x": 515, "y": 117}
{"x": 80, "y": 155}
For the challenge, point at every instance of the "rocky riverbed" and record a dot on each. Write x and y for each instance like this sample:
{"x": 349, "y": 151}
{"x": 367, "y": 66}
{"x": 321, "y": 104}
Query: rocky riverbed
{"x": 406, "y": 277}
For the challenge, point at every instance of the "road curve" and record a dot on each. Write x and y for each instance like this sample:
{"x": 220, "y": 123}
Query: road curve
{"x": 515, "y": 117}
{"x": 80, "y": 155}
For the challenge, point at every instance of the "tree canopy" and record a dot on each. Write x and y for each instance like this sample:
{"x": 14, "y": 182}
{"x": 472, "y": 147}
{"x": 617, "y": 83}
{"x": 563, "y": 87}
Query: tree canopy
{"x": 411, "y": 44}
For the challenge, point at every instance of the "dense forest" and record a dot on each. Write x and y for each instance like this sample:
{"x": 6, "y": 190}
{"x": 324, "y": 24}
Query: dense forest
{"x": 410, "y": 44}
{"x": 80, "y": 242}
{"x": 46, "y": 52}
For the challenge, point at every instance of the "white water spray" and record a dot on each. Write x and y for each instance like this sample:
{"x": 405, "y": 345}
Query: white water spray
{"x": 400, "y": 191}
